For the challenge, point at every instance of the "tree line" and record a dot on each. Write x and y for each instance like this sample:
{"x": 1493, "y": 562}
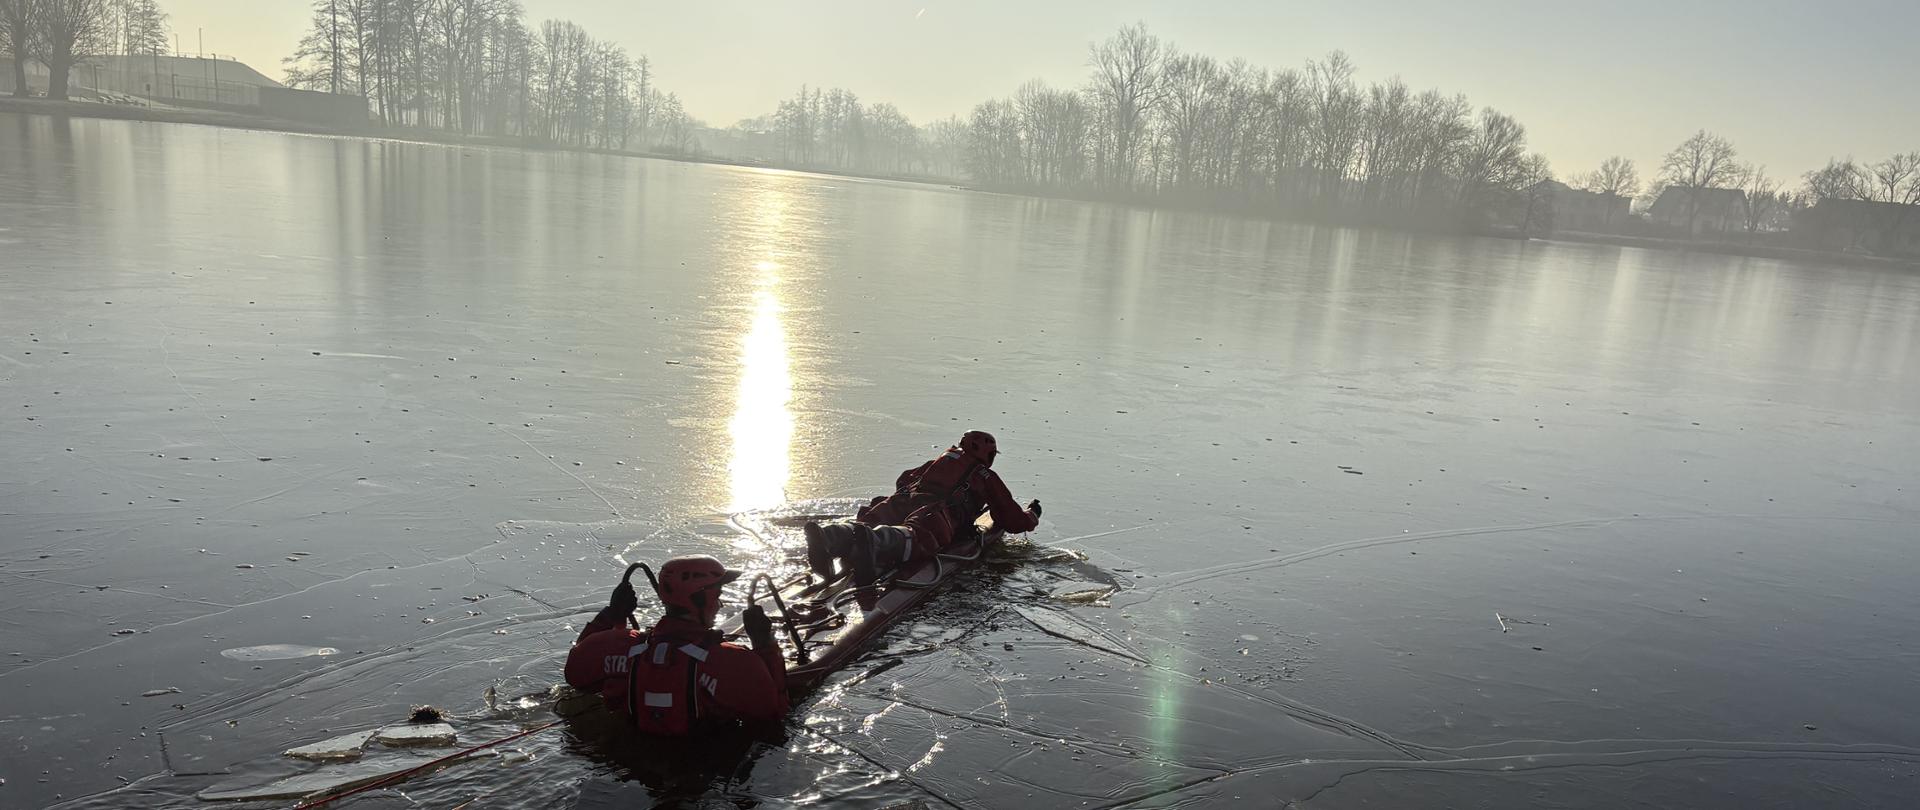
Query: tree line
{"x": 1151, "y": 121}
{"x": 469, "y": 66}
{"x": 63, "y": 33}
{"x": 1707, "y": 161}
{"x": 831, "y": 128}
{"x": 476, "y": 67}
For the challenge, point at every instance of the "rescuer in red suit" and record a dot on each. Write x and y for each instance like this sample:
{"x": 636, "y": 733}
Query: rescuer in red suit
{"x": 678, "y": 676}
{"x": 932, "y": 504}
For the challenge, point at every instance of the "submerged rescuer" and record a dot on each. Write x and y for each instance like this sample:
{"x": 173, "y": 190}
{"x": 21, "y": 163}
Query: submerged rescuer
{"x": 678, "y": 675}
{"x": 932, "y": 505}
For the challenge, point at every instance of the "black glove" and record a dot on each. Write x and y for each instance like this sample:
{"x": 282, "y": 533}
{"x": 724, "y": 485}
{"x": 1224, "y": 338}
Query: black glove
{"x": 624, "y": 601}
{"x": 1034, "y": 507}
{"x": 759, "y": 628}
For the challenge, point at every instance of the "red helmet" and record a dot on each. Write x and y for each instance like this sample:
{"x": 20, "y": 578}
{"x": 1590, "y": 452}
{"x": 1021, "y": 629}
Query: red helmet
{"x": 979, "y": 444}
{"x": 684, "y": 582}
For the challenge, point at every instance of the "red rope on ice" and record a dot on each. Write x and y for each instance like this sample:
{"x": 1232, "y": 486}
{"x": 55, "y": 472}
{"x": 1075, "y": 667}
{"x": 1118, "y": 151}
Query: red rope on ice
{"x": 392, "y": 778}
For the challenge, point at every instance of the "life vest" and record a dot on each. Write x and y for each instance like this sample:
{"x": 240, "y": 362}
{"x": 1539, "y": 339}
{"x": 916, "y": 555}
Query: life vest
{"x": 946, "y": 482}
{"x": 663, "y": 682}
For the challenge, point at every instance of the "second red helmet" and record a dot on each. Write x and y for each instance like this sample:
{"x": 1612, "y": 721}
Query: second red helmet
{"x": 980, "y": 445}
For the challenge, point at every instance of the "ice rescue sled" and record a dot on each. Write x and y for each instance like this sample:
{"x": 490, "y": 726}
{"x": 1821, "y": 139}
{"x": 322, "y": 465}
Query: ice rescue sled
{"x": 823, "y": 626}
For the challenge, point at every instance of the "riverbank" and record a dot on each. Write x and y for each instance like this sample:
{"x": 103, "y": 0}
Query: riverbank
{"x": 1735, "y": 249}
{"x": 217, "y": 118}
{"x": 1452, "y": 227}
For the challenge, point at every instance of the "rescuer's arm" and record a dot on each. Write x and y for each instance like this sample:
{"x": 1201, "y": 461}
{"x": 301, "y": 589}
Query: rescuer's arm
{"x": 760, "y": 631}
{"x": 739, "y": 684}
{"x": 1007, "y": 514}
{"x": 619, "y": 608}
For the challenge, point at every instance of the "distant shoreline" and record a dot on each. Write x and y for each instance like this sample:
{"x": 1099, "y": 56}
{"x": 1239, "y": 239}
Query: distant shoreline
{"x": 1736, "y": 249}
{"x": 34, "y": 106}
{"x": 216, "y": 118}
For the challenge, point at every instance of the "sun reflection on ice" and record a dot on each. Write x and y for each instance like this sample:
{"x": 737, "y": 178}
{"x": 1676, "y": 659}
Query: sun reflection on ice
{"x": 762, "y": 425}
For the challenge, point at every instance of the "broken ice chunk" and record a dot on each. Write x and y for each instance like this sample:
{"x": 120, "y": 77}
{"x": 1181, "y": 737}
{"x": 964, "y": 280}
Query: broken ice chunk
{"x": 346, "y": 746}
{"x": 416, "y": 734}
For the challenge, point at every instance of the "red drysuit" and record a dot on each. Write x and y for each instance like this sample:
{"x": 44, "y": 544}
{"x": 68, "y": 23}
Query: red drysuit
{"x": 943, "y": 495}
{"x": 729, "y": 682}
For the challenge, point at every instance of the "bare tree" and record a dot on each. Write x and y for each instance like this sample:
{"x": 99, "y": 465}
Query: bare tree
{"x": 1763, "y": 200}
{"x": 460, "y": 27}
{"x": 993, "y": 143}
{"x": 645, "y": 100}
{"x": 474, "y": 66}
{"x": 677, "y": 126}
{"x": 802, "y": 125}
{"x": 1702, "y": 161}
{"x": 1128, "y": 79}
{"x": 1445, "y": 126}
{"x": 1388, "y": 146}
{"x": 319, "y": 61}
{"x": 19, "y": 37}
{"x": 134, "y": 26}
{"x": 1838, "y": 180}
{"x": 1615, "y": 178}
{"x": 1054, "y": 127}
{"x": 69, "y": 31}
{"x": 1187, "y": 107}
{"x": 1896, "y": 179}
{"x": 945, "y": 143}
{"x": 843, "y": 128}
{"x": 892, "y": 139}
{"x": 1493, "y": 161}
{"x": 1534, "y": 180}
{"x": 143, "y": 28}
{"x": 1338, "y": 116}
{"x": 1232, "y": 152}
{"x": 1285, "y": 112}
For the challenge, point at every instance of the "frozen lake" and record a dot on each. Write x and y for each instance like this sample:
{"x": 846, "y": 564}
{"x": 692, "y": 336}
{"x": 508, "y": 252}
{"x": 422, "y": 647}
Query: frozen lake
{"x": 273, "y": 402}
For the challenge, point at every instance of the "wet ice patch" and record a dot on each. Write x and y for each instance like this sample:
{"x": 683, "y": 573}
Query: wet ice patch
{"x": 323, "y": 782}
{"x": 1066, "y": 628}
{"x": 924, "y": 636}
{"x": 416, "y": 734}
{"x": 1081, "y": 593}
{"x": 276, "y": 652}
{"x": 346, "y": 746}
{"x": 361, "y": 355}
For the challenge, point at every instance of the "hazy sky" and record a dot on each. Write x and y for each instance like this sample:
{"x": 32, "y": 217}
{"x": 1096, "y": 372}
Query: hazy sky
{"x": 1791, "y": 83}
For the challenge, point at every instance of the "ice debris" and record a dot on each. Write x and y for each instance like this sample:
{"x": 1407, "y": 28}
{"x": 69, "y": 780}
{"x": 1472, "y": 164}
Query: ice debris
{"x": 346, "y": 746}
{"x": 325, "y": 781}
{"x": 416, "y": 734}
{"x": 1081, "y": 592}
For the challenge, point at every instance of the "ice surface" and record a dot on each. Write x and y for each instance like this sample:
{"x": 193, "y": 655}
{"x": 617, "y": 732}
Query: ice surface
{"x": 1592, "y": 439}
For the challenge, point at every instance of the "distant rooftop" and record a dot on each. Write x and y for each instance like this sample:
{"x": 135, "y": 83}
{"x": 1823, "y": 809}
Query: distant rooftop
{"x": 228, "y": 69}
